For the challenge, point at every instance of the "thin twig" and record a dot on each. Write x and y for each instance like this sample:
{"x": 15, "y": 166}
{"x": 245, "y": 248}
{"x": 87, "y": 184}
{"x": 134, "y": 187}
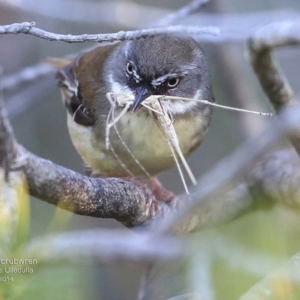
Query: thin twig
{"x": 105, "y": 246}
{"x": 33, "y": 73}
{"x": 19, "y": 103}
{"x": 26, "y": 75}
{"x": 29, "y": 28}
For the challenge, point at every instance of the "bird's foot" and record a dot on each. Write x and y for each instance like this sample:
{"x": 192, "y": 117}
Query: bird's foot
{"x": 159, "y": 191}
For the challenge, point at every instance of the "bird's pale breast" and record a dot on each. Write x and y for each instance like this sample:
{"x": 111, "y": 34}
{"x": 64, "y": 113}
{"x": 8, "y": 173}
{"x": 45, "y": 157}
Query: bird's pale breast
{"x": 144, "y": 140}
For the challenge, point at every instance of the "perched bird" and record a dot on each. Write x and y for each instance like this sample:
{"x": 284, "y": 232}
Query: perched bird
{"x": 164, "y": 64}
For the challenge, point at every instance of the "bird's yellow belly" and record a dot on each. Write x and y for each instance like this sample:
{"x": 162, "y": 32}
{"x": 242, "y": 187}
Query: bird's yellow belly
{"x": 142, "y": 148}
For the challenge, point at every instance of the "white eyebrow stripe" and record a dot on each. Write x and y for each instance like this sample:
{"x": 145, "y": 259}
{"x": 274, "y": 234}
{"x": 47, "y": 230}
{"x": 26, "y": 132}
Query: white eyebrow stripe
{"x": 163, "y": 78}
{"x": 160, "y": 80}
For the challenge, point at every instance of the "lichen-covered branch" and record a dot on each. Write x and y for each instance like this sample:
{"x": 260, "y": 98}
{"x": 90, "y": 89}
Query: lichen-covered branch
{"x": 95, "y": 197}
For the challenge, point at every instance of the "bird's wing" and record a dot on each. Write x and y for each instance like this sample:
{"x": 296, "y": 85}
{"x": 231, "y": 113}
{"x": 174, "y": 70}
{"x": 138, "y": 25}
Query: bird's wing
{"x": 71, "y": 94}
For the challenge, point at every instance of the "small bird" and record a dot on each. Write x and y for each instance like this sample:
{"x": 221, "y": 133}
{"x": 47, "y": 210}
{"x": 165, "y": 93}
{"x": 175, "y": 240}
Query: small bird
{"x": 163, "y": 64}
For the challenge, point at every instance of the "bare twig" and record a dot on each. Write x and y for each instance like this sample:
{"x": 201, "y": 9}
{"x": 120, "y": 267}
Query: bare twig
{"x": 135, "y": 15}
{"x": 33, "y": 73}
{"x": 105, "y": 246}
{"x": 29, "y": 74}
{"x": 271, "y": 78}
{"x": 20, "y": 102}
{"x": 29, "y": 28}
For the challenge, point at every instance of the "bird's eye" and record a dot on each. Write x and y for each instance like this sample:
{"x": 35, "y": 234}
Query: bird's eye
{"x": 173, "y": 82}
{"x": 129, "y": 68}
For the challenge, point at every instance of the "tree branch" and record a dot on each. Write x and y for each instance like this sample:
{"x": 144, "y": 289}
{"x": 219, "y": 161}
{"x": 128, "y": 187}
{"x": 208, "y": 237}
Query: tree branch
{"x": 26, "y": 75}
{"x": 29, "y": 28}
{"x": 95, "y": 197}
{"x": 271, "y": 78}
{"x": 105, "y": 246}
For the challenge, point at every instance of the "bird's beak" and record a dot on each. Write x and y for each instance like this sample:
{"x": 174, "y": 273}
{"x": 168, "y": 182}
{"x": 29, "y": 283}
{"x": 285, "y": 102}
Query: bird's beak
{"x": 141, "y": 94}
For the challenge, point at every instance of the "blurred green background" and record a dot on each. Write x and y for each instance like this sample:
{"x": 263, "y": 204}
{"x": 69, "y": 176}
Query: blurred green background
{"x": 229, "y": 259}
